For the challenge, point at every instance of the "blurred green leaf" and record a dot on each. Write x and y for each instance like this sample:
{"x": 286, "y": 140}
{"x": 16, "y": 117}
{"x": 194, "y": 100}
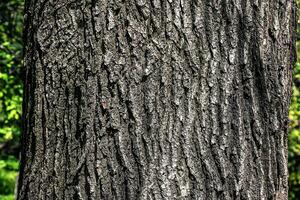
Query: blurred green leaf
{"x": 11, "y": 24}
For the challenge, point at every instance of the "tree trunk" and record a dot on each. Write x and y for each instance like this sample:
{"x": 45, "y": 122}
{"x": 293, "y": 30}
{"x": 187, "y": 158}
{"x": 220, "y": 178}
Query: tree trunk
{"x": 155, "y": 99}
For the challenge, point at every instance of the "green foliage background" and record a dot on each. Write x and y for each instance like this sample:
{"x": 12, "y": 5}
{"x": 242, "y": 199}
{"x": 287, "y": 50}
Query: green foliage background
{"x": 11, "y": 23}
{"x": 294, "y": 134}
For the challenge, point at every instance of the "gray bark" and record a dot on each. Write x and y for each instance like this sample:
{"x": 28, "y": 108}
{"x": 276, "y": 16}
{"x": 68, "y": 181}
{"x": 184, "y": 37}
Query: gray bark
{"x": 156, "y": 99}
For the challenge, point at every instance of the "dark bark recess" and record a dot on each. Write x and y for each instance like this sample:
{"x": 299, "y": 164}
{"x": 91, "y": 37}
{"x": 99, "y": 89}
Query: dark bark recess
{"x": 156, "y": 99}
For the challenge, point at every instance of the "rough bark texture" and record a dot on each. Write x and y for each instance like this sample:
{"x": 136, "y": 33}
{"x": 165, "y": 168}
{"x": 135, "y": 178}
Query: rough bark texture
{"x": 156, "y": 99}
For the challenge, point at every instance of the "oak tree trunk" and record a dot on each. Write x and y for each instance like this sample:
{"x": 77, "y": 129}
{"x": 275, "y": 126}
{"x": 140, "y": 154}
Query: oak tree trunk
{"x": 156, "y": 99}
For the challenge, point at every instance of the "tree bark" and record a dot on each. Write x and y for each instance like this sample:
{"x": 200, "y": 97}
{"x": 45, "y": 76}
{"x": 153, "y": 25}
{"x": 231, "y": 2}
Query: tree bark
{"x": 156, "y": 99}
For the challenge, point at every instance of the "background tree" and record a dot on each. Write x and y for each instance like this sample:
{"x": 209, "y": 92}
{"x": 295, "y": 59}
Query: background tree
{"x": 11, "y": 14}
